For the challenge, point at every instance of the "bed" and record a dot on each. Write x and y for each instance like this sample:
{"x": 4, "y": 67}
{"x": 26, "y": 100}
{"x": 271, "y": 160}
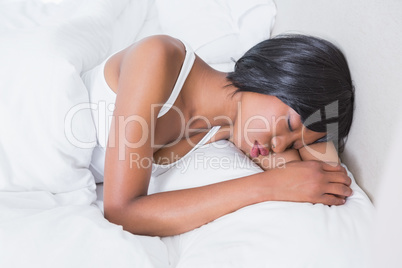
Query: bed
{"x": 51, "y": 209}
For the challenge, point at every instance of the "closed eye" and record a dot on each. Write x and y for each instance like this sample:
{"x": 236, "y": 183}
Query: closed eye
{"x": 290, "y": 127}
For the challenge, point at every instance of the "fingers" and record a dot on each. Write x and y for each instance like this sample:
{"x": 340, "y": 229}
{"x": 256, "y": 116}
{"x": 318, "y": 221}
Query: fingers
{"x": 332, "y": 200}
{"x": 336, "y": 177}
{"x": 339, "y": 189}
{"x": 336, "y": 174}
{"x": 333, "y": 166}
{"x": 336, "y": 194}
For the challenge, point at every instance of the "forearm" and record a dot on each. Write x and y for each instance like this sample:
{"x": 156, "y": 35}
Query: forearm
{"x": 277, "y": 160}
{"x": 175, "y": 212}
{"x": 323, "y": 151}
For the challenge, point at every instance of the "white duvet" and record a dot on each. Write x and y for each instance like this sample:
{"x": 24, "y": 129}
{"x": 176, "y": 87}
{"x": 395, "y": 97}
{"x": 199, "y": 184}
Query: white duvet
{"x": 49, "y": 213}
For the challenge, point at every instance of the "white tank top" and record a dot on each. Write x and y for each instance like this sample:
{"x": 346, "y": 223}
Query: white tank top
{"x": 103, "y": 98}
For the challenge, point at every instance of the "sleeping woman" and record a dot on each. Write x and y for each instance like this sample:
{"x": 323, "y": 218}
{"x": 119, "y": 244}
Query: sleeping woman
{"x": 290, "y": 97}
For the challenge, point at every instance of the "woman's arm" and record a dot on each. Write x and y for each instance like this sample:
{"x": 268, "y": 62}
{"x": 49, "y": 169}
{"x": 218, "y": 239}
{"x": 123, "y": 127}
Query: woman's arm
{"x": 323, "y": 151}
{"x": 175, "y": 212}
{"x": 277, "y": 160}
{"x": 146, "y": 76}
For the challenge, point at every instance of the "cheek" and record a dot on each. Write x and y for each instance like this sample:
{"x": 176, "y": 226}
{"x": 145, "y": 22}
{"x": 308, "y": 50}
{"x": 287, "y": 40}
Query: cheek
{"x": 256, "y": 127}
{"x": 254, "y": 123}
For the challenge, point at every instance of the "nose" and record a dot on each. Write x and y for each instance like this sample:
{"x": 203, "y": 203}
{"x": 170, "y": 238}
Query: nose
{"x": 279, "y": 144}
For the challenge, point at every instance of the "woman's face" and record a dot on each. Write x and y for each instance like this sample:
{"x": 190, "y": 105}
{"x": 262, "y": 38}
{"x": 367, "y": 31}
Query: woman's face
{"x": 264, "y": 123}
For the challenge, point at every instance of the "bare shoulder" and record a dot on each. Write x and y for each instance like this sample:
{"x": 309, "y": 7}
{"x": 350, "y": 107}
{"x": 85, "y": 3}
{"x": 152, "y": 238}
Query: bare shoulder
{"x": 154, "y": 54}
{"x": 156, "y": 46}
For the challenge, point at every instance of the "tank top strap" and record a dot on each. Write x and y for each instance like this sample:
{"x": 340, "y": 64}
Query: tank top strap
{"x": 184, "y": 71}
{"x": 158, "y": 169}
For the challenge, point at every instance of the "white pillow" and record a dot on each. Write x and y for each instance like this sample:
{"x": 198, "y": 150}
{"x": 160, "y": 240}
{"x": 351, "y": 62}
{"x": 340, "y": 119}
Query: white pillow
{"x": 46, "y": 135}
{"x": 269, "y": 234}
{"x": 129, "y": 24}
{"x": 151, "y": 24}
{"x": 218, "y": 30}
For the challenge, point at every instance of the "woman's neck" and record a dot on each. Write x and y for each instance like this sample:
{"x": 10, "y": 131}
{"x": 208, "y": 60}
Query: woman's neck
{"x": 211, "y": 101}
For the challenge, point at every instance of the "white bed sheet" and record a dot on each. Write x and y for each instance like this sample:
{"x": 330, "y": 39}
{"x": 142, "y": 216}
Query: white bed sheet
{"x": 48, "y": 217}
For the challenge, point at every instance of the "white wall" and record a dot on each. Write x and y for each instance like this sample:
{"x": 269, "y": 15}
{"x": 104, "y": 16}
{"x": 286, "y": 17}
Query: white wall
{"x": 387, "y": 243}
{"x": 369, "y": 32}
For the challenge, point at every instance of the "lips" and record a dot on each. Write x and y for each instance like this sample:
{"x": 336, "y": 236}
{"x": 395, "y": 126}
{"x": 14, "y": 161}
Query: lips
{"x": 258, "y": 150}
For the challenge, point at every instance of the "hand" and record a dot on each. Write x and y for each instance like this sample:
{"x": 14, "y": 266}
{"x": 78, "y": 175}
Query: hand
{"x": 310, "y": 181}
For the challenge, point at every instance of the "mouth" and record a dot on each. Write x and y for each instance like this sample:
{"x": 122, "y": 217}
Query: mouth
{"x": 258, "y": 150}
